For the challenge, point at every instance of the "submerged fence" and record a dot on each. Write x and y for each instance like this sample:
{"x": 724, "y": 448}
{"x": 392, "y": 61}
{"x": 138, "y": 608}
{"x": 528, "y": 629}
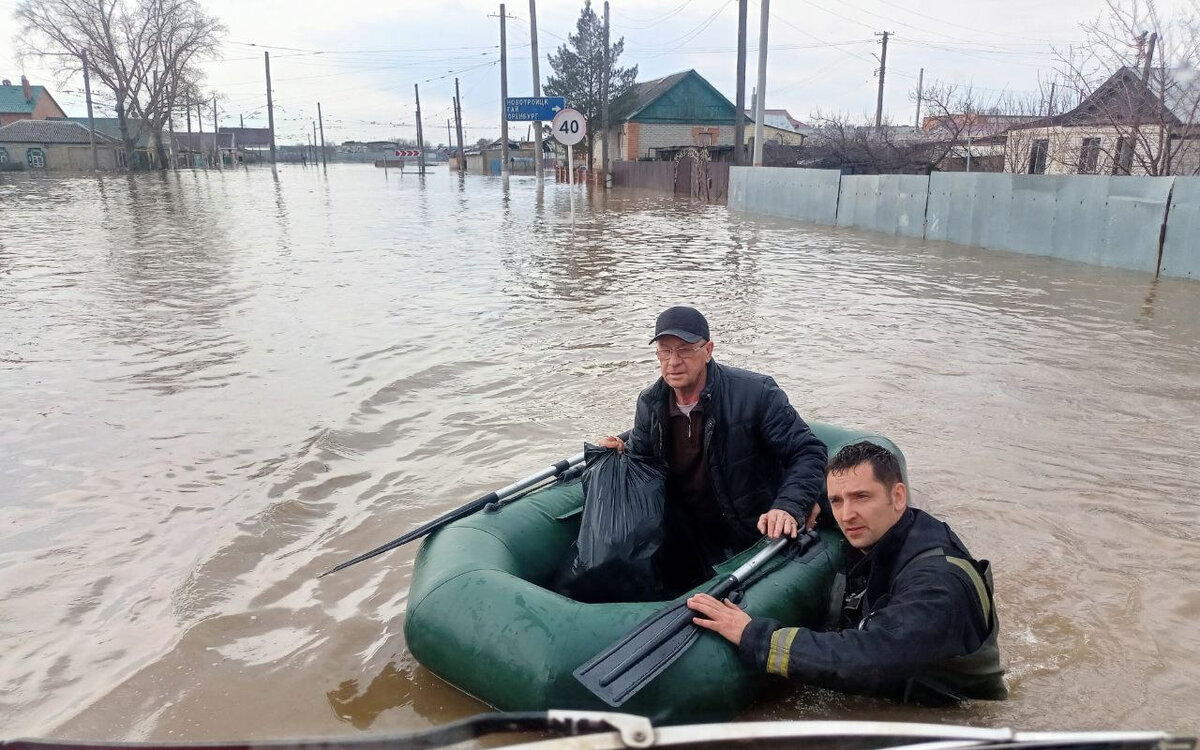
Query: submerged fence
{"x": 1138, "y": 223}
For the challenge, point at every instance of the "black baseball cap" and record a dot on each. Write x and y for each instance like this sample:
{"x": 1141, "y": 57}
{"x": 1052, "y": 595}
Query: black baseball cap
{"x": 685, "y": 322}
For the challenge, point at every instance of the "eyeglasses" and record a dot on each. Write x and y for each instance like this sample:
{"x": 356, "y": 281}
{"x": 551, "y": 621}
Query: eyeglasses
{"x": 684, "y": 352}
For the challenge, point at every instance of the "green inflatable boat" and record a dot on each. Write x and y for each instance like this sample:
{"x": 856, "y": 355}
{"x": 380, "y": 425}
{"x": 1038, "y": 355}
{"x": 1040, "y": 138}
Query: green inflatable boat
{"x": 480, "y": 616}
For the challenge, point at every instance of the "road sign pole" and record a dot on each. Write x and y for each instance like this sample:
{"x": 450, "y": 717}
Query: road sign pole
{"x": 571, "y": 181}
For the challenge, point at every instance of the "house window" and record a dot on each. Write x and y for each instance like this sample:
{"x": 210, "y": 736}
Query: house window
{"x": 36, "y": 158}
{"x": 1037, "y": 156}
{"x": 3, "y": 155}
{"x": 1089, "y": 155}
{"x": 1118, "y": 155}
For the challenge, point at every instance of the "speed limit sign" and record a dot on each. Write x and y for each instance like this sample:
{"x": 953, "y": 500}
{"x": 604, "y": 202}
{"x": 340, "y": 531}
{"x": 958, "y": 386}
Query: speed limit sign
{"x": 569, "y": 127}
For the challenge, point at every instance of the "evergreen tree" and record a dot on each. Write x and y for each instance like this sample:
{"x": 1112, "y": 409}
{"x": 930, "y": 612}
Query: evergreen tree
{"x": 579, "y": 74}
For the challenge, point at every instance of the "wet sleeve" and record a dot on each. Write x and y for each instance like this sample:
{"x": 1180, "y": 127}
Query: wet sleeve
{"x": 928, "y": 619}
{"x": 801, "y": 453}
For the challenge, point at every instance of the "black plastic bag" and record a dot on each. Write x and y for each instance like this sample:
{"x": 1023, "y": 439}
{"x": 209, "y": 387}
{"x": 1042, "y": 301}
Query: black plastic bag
{"x": 621, "y": 531}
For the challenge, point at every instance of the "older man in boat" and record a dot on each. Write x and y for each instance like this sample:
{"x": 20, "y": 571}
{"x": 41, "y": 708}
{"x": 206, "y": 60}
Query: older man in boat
{"x": 741, "y": 462}
{"x": 914, "y": 618}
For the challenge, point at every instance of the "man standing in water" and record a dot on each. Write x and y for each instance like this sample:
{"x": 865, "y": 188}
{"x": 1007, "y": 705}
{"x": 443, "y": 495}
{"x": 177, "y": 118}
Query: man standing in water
{"x": 913, "y": 616}
{"x": 741, "y": 462}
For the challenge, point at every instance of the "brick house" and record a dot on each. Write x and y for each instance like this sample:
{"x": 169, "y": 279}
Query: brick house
{"x": 26, "y": 102}
{"x": 679, "y": 110}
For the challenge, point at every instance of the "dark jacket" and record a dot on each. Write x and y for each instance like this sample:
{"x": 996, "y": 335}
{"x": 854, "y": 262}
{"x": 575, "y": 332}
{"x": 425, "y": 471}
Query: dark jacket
{"x": 760, "y": 452}
{"x": 925, "y": 631}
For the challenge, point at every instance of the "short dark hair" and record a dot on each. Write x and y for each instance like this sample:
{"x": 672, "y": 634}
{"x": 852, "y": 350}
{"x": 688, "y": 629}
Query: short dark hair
{"x": 883, "y": 462}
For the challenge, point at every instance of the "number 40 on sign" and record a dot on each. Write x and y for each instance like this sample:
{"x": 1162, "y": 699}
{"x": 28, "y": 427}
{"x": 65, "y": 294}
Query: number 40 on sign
{"x": 569, "y": 127}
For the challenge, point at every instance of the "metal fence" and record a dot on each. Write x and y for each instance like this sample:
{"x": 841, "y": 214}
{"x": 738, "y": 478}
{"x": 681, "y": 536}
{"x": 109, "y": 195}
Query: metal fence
{"x": 1137, "y": 223}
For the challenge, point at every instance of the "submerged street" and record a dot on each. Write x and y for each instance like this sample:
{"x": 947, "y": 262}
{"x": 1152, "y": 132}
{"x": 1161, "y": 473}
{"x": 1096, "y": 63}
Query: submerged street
{"x": 218, "y": 385}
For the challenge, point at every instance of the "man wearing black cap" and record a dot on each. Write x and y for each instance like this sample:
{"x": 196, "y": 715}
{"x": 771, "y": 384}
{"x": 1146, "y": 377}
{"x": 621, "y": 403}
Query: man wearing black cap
{"x": 741, "y": 460}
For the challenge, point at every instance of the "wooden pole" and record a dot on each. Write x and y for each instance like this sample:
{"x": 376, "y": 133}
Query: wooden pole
{"x": 321, "y": 122}
{"x": 270, "y": 106}
{"x": 420, "y": 133}
{"x": 462, "y": 156}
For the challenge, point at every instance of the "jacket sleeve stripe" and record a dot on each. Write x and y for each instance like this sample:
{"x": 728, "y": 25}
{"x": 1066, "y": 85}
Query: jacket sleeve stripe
{"x": 980, "y": 588}
{"x": 781, "y": 646}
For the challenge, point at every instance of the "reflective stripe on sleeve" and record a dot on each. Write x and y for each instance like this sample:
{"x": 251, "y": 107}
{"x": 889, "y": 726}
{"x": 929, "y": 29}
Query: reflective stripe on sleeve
{"x": 781, "y": 646}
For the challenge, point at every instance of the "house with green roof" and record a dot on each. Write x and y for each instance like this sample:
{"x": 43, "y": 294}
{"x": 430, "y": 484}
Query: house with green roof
{"x": 676, "y": 111}
{"x": 26, "y": 102}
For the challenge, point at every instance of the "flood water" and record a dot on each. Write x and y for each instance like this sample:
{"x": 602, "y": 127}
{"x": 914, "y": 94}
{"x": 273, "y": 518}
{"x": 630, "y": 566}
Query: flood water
{"x": 214, "y": 386}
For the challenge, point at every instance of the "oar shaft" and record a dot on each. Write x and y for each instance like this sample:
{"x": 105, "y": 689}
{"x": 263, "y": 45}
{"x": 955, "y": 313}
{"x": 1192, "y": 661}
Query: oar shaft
{"x": 462, "y": 512}
{"x": 684, "y": 618}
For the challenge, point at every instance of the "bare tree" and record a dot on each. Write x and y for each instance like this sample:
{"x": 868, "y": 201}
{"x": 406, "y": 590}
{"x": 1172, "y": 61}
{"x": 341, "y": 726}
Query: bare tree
{"x": 147, "y": 52}
{"x": 837, "y": 142}
{"x": 1146, "y": 115}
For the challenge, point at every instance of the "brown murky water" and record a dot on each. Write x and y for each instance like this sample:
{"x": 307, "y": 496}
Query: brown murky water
{"x": 216, "y": 386}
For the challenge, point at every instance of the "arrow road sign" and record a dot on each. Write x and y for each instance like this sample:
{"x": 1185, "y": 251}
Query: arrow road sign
{"x": 533, "y": 108}
{"x": 407, "y": 152}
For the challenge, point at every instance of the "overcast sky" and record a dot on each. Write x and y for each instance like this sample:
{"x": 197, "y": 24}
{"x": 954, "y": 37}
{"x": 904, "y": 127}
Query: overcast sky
{"x": 361, "y": 58}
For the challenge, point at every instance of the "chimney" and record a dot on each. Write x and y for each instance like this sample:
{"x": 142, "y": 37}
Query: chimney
{"x": 28, "y": 91}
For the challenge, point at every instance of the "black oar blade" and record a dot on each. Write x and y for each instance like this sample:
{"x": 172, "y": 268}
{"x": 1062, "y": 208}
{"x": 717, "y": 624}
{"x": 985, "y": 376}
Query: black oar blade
{"x": 621, "y": 670}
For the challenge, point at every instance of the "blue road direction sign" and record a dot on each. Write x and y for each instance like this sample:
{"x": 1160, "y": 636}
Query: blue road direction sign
{"x": 533, "y": 108}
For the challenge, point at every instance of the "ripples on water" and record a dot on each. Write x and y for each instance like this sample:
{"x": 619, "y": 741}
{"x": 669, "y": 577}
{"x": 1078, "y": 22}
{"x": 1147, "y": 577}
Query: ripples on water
{"x": 218, "y": 385}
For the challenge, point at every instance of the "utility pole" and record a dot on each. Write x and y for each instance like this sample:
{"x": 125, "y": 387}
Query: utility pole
{"x": 537, "y": 88}
{"x": 761, "y": 91}
{"x": 739, "y": 126}
{"x": 314, "y": 143}
{"x": 87, "y": 92}
{"x": 242, "y": 122}
{"x": 321, "y": 121}
{"x": 1050, "y": 103}
{"x": 503, "y": 98}
{"x": 200, "y": 128}
{"x": 1130, "y": 145}
{"x": 217, "y": 136}
{"x": 462, "y": 157}
{"x": 187, "y": 107}
{"x": 920, "y": 93}
{"x": 171, "y": 133}
{"x": 605, "y": 83}
{"x": 270, "y": 105}
{"x": 420, "y": 133}
{"x": 882, "y": 73}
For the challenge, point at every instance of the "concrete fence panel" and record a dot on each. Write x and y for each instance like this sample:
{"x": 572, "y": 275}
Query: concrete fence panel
{"x": 1107, "y": 221}
{"x": 890, "y": 203}
{"x": 1181, "y": 250}
{"x": 858, "y": 201}
{"x": 802, "y": 194}
{"x": 968, "y": 208}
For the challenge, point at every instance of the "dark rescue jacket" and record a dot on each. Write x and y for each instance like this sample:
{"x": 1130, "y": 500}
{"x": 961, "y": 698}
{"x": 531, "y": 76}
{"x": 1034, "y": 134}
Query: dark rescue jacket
{"x": 760, "y": 453}
{"x": 914, "y": 620}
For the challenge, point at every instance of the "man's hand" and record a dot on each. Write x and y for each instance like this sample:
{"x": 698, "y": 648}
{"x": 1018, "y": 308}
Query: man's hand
{"x": 724, "y": 617}
{"x": 612, "y": 442}
{"x": 776, "y": 523}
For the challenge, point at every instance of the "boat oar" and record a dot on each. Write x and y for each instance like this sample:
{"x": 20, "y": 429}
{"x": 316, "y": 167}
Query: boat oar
{"x": 475, "y": 505}
{"x": 621, "y": 670}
